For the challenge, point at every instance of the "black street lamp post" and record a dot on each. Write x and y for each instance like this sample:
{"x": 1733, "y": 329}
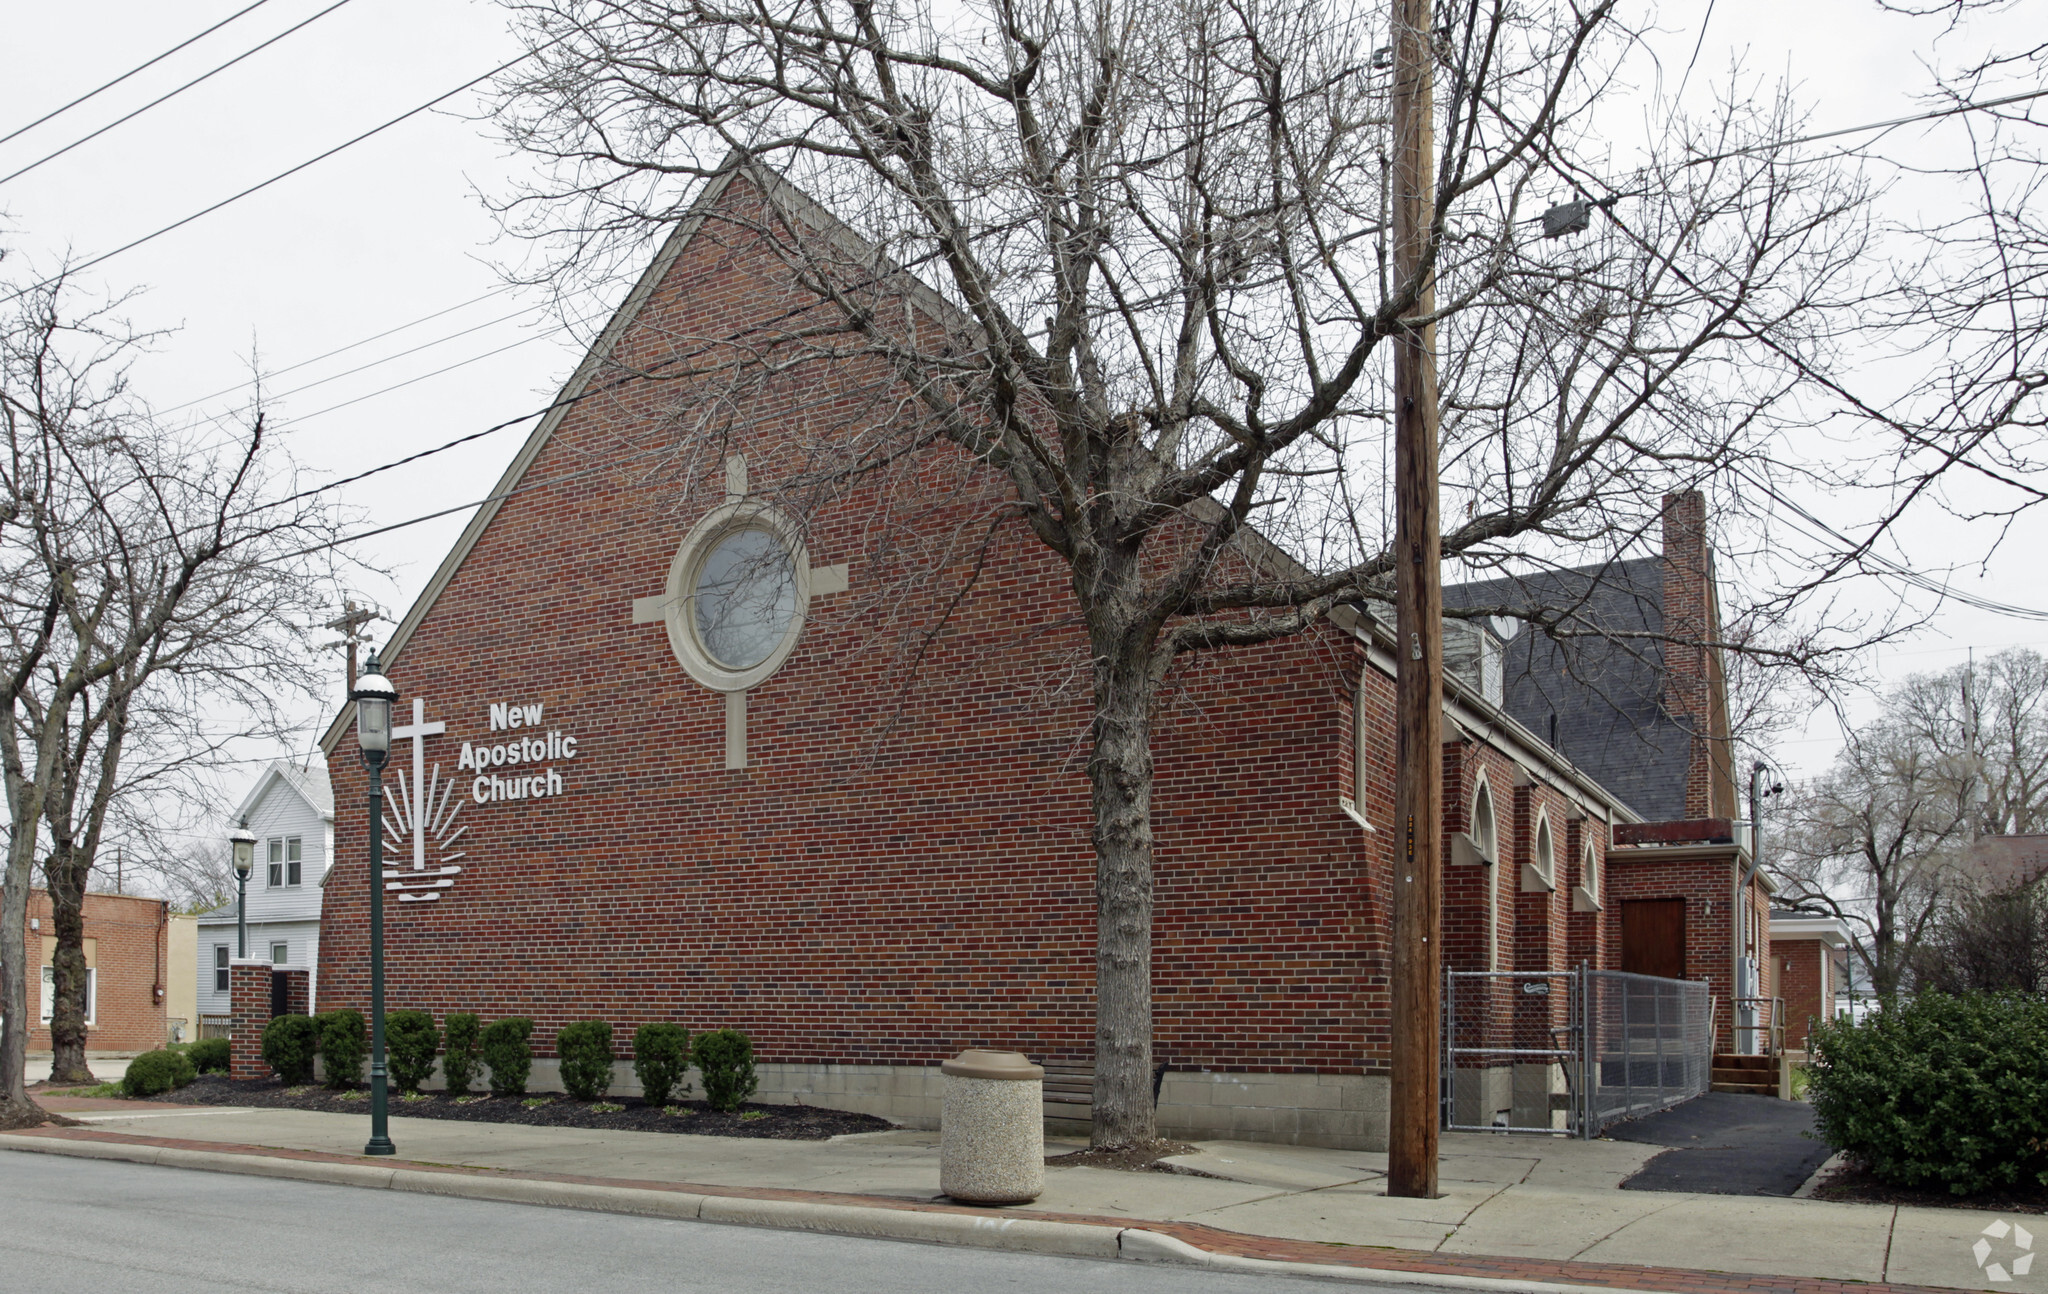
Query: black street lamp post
{"x": 373, "y": 696}
{"x": 244, "y": 842}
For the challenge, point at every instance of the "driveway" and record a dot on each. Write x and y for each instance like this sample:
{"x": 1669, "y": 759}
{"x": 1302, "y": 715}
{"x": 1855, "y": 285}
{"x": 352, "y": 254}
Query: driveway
{"x": 1725, "y": 1143}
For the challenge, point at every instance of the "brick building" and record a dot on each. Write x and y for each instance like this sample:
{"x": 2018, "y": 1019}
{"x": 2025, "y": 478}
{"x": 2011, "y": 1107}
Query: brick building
{"x": 127, "y": 958}
{"x": 637, "y": 811}
{"x": 1810, "y": 952}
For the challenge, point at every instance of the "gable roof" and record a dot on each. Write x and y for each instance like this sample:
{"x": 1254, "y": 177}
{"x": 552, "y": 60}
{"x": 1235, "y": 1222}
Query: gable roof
{"x": 577, "y": 387}
{"x": 1603, "y": 694}
{"x": 302, "y": 782}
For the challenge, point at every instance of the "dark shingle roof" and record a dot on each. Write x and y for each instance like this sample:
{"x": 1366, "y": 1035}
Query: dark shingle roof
{"x": 1605, "y": 693}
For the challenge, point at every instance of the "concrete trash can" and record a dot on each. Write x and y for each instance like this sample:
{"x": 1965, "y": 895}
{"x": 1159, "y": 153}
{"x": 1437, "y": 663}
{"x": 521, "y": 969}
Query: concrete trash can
{"x": 992, "y": 1129}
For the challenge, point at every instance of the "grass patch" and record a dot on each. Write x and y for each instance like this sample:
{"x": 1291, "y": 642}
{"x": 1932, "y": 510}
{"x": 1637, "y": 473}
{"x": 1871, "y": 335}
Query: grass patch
{"x": 410, "y": 1097}
{"x": 470, "y": 1100}
{"x": 354, "y": 1094}
{"x": 605, "y": 1107}
{"x": 301, "y": 1090}
{"x": 535, "y": 1102}
{"x": 754, "y": 1114}
{"x": 677, "y": 1111}
{"x": 103, "y": 1090}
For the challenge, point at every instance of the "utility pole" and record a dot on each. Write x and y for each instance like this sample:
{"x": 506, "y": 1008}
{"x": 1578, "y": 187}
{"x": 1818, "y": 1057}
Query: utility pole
{"x": 1413, "y": 1112}
{"x": 350, "y": 625}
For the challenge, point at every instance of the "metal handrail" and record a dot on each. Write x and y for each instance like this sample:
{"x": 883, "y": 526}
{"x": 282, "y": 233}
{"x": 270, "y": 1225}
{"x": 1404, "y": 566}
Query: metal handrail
{"x": 1774, "y": 1015}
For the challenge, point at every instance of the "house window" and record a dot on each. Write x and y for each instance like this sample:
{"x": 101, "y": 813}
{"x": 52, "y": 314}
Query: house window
{"x": 1589, "y": 873}
{"x": 285, "y": 853}
{"x": 92, "y": 994}
{"x": 1545, "y": 857}
{"x": 280, "y": 954}
{"x": 220, "y": 968}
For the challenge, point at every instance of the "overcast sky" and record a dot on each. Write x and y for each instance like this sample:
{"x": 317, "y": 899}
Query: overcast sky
{"x": 392, "y": 231}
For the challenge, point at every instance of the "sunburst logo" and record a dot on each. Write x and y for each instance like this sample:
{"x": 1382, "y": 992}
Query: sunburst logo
{"x": 420, "y": 818}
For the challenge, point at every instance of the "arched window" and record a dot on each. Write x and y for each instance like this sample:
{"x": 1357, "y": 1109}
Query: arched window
{"x": 1485, "y": 832}
{"x": 1541, "y": 873}
{"x": 1589, "y": 872}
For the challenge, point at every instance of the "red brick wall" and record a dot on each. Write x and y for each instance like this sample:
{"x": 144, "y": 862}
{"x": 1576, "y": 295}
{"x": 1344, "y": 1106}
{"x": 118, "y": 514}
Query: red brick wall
{"x": 1805, "y": 980}
{"x": 130, "y": 944}
{"x": 249, "y": 998}
{"x": 1708, "y": 887}
{"x": 904, "y": 869}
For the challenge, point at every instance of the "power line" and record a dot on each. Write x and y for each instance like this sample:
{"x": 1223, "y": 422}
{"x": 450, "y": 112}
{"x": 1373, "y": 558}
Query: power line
{"x": 1950, "y": 111}
{"x": 50, "y": 157}
{"x": 56, "y": 112}
{"x": 342, "y": 350}
{"x": 379, "y": 336}
{"x": 281, "y": 175}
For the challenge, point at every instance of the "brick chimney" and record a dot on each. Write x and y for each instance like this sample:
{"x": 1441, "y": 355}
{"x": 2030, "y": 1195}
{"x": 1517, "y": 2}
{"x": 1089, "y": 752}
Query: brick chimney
{"x": 1695, "y": 688}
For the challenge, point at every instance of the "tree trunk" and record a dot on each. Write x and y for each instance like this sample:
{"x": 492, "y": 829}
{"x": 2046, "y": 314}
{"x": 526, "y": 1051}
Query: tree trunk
{"x": 1120, "y": 776}
{"x": 16, "y": 1109}
{"x": 65, "y": 878}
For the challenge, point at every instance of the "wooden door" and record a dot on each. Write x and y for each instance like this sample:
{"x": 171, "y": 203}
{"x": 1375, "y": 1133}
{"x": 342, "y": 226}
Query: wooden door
{"x": 1653, "y": 937}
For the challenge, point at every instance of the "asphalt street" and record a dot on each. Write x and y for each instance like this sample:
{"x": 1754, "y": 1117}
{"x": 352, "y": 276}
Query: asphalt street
{"x": 90, "y": 1227}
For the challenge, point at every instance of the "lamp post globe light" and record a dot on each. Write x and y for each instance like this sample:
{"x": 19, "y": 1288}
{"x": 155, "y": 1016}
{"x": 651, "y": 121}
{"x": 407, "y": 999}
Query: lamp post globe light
{"x": 374, "y": 695}
{"x": 243, "y": 842}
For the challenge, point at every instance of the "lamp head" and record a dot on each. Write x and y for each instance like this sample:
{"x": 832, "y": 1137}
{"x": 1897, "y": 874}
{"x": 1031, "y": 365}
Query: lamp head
{"x": 243, "y": 841}
{"x": 374, "y": 697}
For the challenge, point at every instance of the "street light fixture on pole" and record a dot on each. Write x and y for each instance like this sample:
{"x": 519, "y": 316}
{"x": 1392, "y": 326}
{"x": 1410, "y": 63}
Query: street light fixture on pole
{"x": 374, "y": 695}
{"x": 244, "y": 842}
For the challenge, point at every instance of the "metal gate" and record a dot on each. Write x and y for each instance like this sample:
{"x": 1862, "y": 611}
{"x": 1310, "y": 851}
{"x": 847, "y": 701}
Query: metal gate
{"x": 1514, "y": 1047}
{"x": 1570, "y": 1052}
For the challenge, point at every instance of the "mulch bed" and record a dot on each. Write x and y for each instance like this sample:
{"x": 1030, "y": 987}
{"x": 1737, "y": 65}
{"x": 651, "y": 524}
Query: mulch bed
{"x": 546, "y": 1110}
{"x": 1854, "y": 1184}
{"x": 1138, "y": 1157}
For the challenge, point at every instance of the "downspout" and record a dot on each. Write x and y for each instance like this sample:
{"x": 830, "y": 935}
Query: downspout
{"x": 1743, "y": 875}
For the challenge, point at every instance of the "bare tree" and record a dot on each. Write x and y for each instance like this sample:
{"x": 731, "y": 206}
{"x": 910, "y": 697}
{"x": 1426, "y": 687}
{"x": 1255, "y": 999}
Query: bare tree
{"x": 1115, "y": 274}
{"x": 1989, "y": 723}
{"x": 1881, "y": 839}
{"x": 145, "y": 571}
{"x": 1970, "y": 319}
{"x": 1990, "y": 940}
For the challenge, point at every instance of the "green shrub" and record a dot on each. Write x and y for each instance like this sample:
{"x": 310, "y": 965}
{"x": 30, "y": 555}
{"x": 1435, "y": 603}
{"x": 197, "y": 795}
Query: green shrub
{"x": 411, "y": 1040}
{"x": 459, "y": 1060}
{"x": 209, "y": 1055}
{"x": 343, "y": 1044}
{"x": 289, "y": 1042}
{"x": 725, "y": 1061}
{"x": 661, "y": 1059}
{"x": 585, "y": 1050}
{"x": 504, "y": 1047}
{"x": 157, "y": 1071}
{"x": 1945, "y": 1092}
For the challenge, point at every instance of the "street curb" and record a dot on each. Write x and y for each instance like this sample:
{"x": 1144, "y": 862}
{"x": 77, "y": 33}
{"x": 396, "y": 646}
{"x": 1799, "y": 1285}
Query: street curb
{"x": 993, "y": 1231}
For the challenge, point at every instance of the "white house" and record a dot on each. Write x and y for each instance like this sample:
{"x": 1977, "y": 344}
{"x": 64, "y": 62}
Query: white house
{"x": 291, "y": 812}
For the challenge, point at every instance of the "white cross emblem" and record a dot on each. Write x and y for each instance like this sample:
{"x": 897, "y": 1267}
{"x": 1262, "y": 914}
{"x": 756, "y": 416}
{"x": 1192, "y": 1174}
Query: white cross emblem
{"x": 423, "y": 806}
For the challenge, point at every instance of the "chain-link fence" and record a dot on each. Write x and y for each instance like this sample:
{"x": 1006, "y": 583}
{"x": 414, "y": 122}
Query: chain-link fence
{"x": 1570, "y": 1051}
{"x": 1652, "y": 1044}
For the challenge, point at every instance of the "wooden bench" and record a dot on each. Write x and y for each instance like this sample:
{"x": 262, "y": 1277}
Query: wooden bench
{"x": 1070, "y": 1088}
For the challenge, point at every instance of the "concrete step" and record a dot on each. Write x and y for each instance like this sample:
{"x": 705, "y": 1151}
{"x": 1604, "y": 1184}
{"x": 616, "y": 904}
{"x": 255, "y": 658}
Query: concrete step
{"x": 1726, "y": 1060}
{"x": 1748, "y": 1089}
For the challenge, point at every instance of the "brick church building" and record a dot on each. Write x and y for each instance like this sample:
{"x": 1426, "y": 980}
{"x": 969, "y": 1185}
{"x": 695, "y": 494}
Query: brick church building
{"x": 638, "y": 811}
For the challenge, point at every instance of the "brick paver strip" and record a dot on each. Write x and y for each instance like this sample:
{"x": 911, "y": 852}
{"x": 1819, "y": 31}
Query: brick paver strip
{"x": 1626, "y": 1276}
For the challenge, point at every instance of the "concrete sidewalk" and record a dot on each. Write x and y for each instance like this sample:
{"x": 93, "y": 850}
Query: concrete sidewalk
{"x": 1531, "y": 1209}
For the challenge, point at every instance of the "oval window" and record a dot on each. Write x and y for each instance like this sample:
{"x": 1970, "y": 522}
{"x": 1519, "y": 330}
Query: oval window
{"x": 745, "y": 598}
